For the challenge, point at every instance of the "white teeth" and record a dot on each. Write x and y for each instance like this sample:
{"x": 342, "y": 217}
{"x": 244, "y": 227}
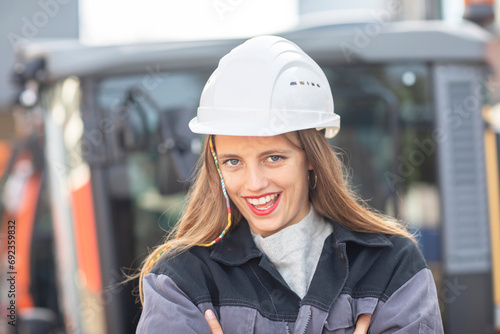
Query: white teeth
{"x": 261, "y": 200}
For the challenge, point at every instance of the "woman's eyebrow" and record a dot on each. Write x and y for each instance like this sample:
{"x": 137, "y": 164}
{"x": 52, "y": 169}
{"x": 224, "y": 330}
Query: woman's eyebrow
{"x": 228, "y": 156}
{"x": 276, "y": 152}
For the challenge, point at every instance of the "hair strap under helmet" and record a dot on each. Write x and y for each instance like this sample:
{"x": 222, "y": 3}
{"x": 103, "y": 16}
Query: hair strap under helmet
{"x": 214, "y": 155}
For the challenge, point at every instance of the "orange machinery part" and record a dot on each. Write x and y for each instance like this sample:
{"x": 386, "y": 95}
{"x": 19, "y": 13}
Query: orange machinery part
{"x": 5, "y": 151}
{"x": 86, "y": 236}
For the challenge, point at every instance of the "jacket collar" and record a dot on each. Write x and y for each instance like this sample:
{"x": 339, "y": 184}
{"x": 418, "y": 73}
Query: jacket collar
{"x": 238, "y": 246}
{"x": 344, "y": 235}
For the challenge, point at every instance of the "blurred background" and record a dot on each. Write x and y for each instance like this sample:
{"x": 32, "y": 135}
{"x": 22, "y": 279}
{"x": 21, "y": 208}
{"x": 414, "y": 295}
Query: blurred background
{"x": 96, "y": 155}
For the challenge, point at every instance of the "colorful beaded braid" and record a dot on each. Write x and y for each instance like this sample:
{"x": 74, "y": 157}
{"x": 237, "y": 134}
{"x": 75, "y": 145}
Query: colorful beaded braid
{"x": 152, "y": 263}
{"x": 225, "y": 195}
{"x": 228, "y": 211}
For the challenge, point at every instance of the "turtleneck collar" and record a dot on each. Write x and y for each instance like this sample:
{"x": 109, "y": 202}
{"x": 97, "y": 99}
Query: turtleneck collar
{"x": 295, "y": 250}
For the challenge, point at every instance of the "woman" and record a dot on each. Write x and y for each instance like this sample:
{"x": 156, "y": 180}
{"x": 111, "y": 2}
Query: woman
{"x": 272, "y": 239}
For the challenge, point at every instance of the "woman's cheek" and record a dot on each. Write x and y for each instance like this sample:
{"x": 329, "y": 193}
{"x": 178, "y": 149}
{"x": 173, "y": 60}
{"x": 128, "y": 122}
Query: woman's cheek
{"x": 231, "y": 187}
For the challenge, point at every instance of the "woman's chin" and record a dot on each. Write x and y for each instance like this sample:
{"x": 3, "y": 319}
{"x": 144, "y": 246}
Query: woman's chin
{"x": 264, "y": 230}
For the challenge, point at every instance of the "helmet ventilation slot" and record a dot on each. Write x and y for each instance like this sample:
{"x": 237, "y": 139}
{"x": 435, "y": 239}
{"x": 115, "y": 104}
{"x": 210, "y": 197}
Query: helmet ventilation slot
{"x": 294, "y": 83}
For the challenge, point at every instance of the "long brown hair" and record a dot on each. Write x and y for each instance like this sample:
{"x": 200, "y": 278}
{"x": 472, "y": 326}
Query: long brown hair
{"x": 205, "y": 217}
{"x": 334, "y": 198}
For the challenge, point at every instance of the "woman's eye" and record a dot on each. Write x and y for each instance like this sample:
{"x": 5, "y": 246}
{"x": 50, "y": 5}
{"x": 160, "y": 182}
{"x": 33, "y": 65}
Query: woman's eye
{"x": 232, "y": 162}
{"x": 274, "y": 158}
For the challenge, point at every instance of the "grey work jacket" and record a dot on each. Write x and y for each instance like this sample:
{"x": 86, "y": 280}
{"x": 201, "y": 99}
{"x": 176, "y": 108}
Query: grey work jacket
{"x": 357, "y": 273}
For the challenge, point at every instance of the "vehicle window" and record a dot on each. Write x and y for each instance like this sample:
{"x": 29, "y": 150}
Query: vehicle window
{"x": 135, "y": 181}
{"x": 387, "y": 123}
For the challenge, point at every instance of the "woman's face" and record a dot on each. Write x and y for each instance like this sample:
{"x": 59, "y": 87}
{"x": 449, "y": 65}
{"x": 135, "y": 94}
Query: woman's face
{"x": 266, "y": 178}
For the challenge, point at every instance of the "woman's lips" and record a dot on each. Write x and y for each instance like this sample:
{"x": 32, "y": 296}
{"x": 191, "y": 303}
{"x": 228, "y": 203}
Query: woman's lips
{"x": 269, "y": 203}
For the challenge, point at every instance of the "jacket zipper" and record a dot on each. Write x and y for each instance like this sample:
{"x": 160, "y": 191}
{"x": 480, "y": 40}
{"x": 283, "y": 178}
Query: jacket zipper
{"x": 308, "y": 321}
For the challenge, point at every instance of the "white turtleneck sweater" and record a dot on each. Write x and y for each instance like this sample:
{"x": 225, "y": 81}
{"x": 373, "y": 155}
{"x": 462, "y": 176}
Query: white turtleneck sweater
{"x": 296, "y": 249}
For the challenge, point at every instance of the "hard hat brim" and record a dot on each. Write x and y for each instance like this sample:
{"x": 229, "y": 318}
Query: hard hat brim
{"x": 250, "y": 124}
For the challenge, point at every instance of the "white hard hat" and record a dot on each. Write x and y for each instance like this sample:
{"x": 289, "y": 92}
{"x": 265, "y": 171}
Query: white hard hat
{"x": 265, "y": 87}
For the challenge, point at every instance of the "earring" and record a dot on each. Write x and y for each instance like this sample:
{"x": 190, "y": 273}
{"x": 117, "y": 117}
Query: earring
{"x": 315, "y": 180}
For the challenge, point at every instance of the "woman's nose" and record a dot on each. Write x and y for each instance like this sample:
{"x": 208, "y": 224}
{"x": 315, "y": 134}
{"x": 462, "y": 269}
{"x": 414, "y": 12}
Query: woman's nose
{"x": 256, "y": 180}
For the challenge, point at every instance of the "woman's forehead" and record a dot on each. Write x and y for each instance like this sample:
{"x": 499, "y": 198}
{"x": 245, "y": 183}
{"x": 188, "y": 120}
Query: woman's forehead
{"x": 235, "y": 144}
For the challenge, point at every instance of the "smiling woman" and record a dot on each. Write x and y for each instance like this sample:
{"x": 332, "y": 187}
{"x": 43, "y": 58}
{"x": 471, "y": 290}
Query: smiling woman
{"x": 266, "y": 179}
{"x": 273, "y": 240}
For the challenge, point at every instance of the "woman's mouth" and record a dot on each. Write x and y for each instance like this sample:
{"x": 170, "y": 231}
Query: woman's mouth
{"x": 263, "y": 205}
